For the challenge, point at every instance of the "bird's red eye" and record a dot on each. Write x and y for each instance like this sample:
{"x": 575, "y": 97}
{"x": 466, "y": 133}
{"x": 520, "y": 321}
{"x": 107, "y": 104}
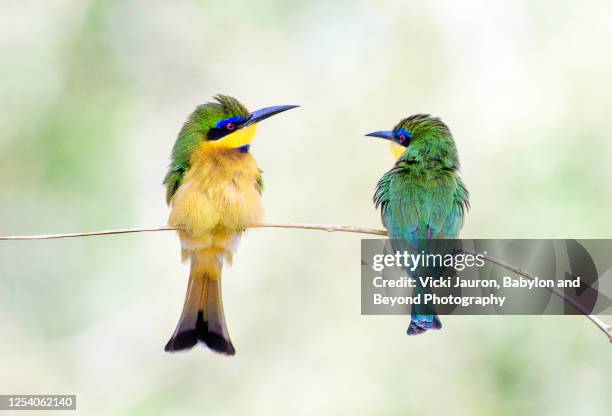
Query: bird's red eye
{"x": 230, "y": 126}
{"x": 402, "y": 138}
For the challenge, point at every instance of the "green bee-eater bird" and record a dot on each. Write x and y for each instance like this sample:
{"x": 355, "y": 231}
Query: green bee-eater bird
{"x": 213, "y": 186}
{"x": 422, "y": 197}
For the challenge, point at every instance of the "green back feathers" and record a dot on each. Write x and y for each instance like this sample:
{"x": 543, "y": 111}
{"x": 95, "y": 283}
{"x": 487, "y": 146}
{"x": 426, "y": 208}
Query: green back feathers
{"x": 231, "y": 106}
{"x": 194, "y": 131}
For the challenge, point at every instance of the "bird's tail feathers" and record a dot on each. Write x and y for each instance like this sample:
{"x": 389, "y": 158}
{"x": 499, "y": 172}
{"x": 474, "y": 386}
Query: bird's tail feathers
{"x": 423, "y": 316}
{"x": 203, "y": 318}
{"x": 421, "y": 323}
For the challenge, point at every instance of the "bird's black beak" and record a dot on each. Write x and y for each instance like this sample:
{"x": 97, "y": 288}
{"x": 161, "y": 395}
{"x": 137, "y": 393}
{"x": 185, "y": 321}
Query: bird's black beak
{"x": 383, "y": 135}
{"x": 264, "y": 113}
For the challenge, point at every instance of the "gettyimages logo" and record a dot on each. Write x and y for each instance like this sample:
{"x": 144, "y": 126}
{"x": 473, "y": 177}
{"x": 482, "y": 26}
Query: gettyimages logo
{"x": 486, "y": 277}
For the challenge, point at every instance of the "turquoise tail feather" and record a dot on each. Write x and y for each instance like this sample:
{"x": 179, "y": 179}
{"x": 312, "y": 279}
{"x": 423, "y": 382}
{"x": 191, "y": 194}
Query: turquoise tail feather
{"x": 423, "y": 316}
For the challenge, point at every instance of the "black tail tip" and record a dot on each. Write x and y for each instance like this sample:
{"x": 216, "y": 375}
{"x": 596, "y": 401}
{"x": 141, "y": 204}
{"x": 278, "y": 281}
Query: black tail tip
{"x": 182, "y": 341}
{"x": 187, "y": 339}
{"x": 217, "y": 343}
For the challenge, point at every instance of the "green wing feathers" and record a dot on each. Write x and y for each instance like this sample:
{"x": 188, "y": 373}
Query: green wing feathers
{"x": 421, "y": 206}
{"x": 259, "y": 183}
{"x": 172, "y": 181}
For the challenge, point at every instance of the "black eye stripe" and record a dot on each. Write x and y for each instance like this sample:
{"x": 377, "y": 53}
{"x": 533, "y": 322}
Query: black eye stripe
{"x": 216, "y": 134}
{"x": 225, "y": 127}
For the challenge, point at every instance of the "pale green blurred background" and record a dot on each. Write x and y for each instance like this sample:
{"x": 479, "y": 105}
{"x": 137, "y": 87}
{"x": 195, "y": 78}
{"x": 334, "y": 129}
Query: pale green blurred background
{"x": 92, "y": 95}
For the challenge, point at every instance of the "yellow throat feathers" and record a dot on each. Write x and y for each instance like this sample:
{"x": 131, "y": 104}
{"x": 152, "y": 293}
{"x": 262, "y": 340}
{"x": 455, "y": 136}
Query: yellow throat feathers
{"x": 396, "y": 150}
{"x": 239, "y": 138}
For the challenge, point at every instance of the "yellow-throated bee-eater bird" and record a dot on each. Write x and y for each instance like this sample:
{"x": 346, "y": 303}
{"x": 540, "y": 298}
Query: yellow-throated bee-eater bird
{"x": 214, "y": 190}
{"x": 422, "y": 197}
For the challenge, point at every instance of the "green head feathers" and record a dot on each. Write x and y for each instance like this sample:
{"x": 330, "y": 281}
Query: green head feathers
{"x": 212, "y": 114}
{"x": 425, "y": 139}
{"x": 204, "y": 119}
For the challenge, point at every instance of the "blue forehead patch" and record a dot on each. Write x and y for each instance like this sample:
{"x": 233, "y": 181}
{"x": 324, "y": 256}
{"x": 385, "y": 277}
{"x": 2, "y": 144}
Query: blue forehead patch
{"x": 404, "y": 132}
{"x": 236, "y": 119}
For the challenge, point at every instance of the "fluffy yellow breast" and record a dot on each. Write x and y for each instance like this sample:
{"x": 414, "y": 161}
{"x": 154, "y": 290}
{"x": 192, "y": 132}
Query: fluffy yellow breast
{"x": 219, "y": 193}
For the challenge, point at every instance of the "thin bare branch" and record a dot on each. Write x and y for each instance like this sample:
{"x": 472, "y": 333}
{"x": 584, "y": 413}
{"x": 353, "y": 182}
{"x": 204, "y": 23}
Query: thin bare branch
{"x": 322, "y": 227}
{"x": 606, "y": 329}
{"x": 326, "y": 227}
{"x": 86, "y": 234}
